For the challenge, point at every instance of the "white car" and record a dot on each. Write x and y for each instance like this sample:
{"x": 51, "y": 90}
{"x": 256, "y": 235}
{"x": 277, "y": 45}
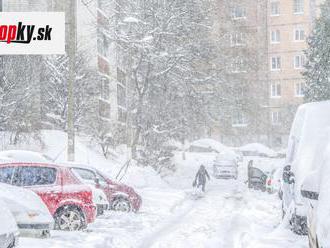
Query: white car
{"x": 308, "y": 128}
{"x": 225, "y": 165}
{"x": 83, "y": 172}
{"x": 315, "y": 191}
{"x": 31, "y": 214}
{"x": 8, "y": 228}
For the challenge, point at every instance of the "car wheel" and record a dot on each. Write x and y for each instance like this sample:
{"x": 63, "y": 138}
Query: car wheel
{"x": 121, "y": 204}
{"x": 69, "y": 219}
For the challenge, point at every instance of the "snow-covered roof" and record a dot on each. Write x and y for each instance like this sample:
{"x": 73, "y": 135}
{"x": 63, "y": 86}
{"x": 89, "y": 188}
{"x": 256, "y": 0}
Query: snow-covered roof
{"x": 257, "y": 148}
{"x": 209, "y": 143}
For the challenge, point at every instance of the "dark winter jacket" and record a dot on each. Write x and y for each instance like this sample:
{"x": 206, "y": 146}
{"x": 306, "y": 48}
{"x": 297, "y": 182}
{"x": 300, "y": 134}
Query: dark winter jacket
{"x": 200, "y": 178}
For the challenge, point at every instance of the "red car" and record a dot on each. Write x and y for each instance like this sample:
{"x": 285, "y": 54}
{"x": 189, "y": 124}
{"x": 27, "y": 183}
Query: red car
{"x": 67, "y": 198}
{"x": 121, "y": 197}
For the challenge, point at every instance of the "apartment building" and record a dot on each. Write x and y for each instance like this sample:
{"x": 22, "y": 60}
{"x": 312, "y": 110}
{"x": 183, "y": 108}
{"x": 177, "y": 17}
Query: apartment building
{"x": 289, "y": 23}
{"x": 240, "y": 35}
{"x": 271, "y": 36}
{"x": 94, "y": 41}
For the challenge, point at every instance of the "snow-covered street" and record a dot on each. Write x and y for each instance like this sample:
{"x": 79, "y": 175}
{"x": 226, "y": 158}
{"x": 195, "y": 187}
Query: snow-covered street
{"x": 230, "y": 215}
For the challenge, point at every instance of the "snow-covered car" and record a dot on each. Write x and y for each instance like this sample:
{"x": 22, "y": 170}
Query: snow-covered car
{"x": 256, "y": 178}
{"x": 257, "y": 149}
{"x": 120, "y": 197}
{"x": 8, "y": 228}
{"x": 31, "y": 214}
{"x": 315, "y": 193}
{"x": 23, "y": 156}
{"x": 99, "y": 197}
{"x": 206, "y": 145}
{"x": 273, "y": 181}
{"x": 310, "y": 124}
{"x": 69, "y": 201}
{"x": 225, "y": 165}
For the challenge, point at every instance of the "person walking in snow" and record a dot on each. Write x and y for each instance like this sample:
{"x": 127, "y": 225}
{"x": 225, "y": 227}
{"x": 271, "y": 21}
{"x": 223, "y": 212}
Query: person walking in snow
{"x": 200, "y": 178}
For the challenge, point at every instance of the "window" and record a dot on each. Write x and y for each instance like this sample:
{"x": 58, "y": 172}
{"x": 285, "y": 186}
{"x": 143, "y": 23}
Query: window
{"x": 299, "y": 34}
{"x": 276, "y": 63}
{"x": 122, "y": 115}
{"x": 121, "y": 96}
{"x": 238, "y": 12}
{"x": 84, "y": 174}
{"x": 239, "y": 119}
{"x": 275, "y": 8}
{"x": 237, "y": 39}
{"x": 34, "y": 176}
{"x": 6, "y": 174}
{"x": 103, "y": 45}
{"x": 121, "y": 76}
{"x": 105, "y": 89}
{"x": 275, "y": 90}
{"x": 275, "y": 115}
{"x": 238, "y": 65}
{"x": 102, "y": 180}
{"x": 275, "y": 36}
{"x": 299, "y": 89}
{"x": 298, "y": 6}
{"x": 299, "y": 61}
{"x": 104, "y": 109}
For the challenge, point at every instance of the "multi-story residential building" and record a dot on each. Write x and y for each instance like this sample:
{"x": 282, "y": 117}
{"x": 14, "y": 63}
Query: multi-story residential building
{"x": 289, "y": 23}
{"x": 272, "y": 34}
{"x": 93, "y": 40}
{"x": 239, "y": 34}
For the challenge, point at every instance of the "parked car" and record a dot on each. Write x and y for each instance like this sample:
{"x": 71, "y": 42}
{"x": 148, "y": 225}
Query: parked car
{"x": 68, "y": 200}
{"x": 8, "y": 228}
{"x": 256, "y": 178}
{"x": 121, "y": 197}
{"x": 31, "y": 214}
{"x": 226, "y": 165}
{"x": 315, "y": 193}
{"x": 273, "y": 181}
{"x": 309, "y": 126}
{"x": 99, "y": 197}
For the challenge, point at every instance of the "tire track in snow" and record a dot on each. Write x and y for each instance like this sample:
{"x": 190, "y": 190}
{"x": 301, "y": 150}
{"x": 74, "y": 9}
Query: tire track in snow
{"x": 175, "y": 220}
{"x": 188, "y": 206}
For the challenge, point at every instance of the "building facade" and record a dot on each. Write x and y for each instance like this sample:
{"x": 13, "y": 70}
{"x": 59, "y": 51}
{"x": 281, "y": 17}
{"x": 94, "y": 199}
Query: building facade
{"x": 271, "y": 36}
{"x": 289, "y": 24}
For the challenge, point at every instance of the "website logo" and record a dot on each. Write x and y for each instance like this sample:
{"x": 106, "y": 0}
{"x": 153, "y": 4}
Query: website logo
{"x": 32, "y": 33}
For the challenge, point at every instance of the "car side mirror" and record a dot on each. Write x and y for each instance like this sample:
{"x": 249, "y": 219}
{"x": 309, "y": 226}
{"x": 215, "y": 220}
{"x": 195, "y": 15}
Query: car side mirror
{"x": 310, "y": 187}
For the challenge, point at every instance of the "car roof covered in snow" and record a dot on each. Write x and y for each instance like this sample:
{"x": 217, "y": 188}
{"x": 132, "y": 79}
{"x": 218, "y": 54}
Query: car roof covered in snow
{"x": 209, "y": 143}
{"x": 226, "y": 155}
{"x": 23, "y": 156}
{"x": 257, "y": 148}
{"x": 77, "y": 165}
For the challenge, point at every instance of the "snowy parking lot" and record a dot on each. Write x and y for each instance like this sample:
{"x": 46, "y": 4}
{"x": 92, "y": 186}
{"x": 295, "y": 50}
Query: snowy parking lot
{"x": 229, "y": 215}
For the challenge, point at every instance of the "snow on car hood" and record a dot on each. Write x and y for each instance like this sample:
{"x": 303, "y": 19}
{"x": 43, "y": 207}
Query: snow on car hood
{"x": 25, "y": 205}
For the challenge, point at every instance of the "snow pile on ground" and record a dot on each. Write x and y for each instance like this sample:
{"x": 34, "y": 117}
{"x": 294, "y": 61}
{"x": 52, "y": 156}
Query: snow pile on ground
{"x": 53, "y": 146}
{"x": 257, "y": 149}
